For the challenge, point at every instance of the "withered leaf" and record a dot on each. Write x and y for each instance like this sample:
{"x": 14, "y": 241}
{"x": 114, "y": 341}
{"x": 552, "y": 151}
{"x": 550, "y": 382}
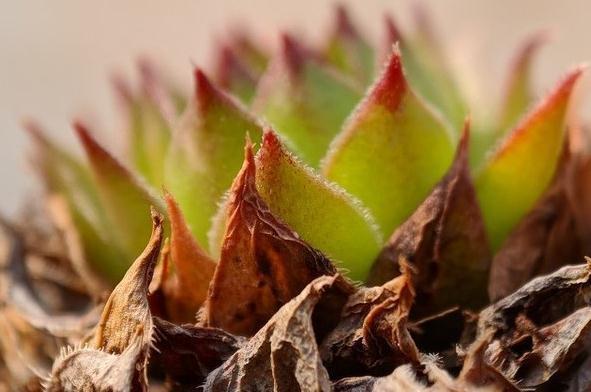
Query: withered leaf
{"x": 186, "y": 354}
{"x": 372, "y": 335}
{"x": 115, "y": 358}
{"x": 263, "y": 263}
{"x": 186, "y": 289}
{"x": 540, "y": 329}
{"x": 283, "y": 355}
{"x": 446, "y": 241}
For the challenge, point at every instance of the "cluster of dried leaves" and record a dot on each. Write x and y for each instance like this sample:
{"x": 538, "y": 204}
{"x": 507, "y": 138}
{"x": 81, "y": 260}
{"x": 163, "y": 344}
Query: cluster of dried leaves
{"x": 275, "y": 314}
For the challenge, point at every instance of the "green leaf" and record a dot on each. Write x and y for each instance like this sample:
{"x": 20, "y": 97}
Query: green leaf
{"x": 392, "y": 151}
{"x": 64, "y": 175}
{"x": 348, "y": 51}
{"x": 149, "y": 114}
{"x": 520, "y": 169}
{"x": 206, "y": 153}
{"x": 125, "y": 198}
{"x": 429, "y": 72}
{"x": 234, "y": 75}
{"x": 518, "y": 94}
{"x": 323, "y": 214}
{"x": 304, "y": 100}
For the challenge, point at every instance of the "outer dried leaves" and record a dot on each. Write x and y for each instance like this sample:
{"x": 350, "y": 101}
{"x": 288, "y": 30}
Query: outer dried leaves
{"x": 263, "y": 262}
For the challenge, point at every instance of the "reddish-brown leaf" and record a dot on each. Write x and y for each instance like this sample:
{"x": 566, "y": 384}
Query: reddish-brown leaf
{"x": 372, "y": 336}
{"x": 185, "y": 290}
{"x": 263, "y": 262}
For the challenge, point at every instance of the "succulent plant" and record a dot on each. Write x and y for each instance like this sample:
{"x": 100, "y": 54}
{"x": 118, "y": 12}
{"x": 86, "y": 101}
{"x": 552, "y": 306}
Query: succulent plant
{"x": 323, "y": 218}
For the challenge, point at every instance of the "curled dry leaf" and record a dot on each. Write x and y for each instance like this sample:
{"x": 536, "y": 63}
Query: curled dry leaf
{"x": 372, "y": 336}
{"x": 116, "y": 356}
{"x": 446, "y": 241}
{"x": 185, "y": 289}
{"x": 283, "y": 355}
{"x": 263, "y": 263}
{"x": 186, "y": 354}
{"x": 541, "y": 328}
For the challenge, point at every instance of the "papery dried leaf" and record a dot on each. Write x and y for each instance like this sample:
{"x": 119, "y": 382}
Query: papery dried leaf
{"x": 283, "y": 355}
{"x": 186, "y": 287}
{"x": 521, "y": 168}
{"x": 518, "y": 91}
{"x": 539, "y": 329}
{"x": 347, "y": 50}
{"x": 322, "y": 214}
{"x": 379, "y": 155}
{"x": 115, "y": 359}
{"x": 25, "y": 303}
{"x": 89, "y": 369}
{"x": 206, "y": 153}
{"x": 127, "y": 309}
{"x": 125, "y": 198}
{"x": 304, "y": 100}
{"x": 263, "y": 263}
{"x": 186, "y": 354}
{"x": 446, "y": 241}
{"x": 476, "y": 372}
{"x": 372, "y": 335}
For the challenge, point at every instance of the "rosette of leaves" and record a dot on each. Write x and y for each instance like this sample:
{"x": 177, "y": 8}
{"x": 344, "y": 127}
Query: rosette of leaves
{"x": 322, "y": 217}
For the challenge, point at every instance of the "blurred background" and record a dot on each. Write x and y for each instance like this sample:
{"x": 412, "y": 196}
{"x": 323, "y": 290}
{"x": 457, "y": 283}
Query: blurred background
{"x": 57, "y": 56}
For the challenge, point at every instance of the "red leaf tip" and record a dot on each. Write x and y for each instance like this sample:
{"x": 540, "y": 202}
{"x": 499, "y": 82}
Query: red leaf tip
{"x": 391, "y": 85}
{"x": 205, "y": 91}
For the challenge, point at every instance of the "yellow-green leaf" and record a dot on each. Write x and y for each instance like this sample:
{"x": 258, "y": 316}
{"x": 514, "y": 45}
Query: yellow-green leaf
{"x": 348, "y": 51}
{"x": 125, "y": 198}
{"x": 207, "y": 153}
{"x": 323, "y": 214}
{"x": 520, "y": 169}
{"x": 304, "y": 100}
{"x": 392, "y": 151}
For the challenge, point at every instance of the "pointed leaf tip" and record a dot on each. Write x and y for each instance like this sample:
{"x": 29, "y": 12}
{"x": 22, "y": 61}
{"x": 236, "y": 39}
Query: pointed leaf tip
{"x": 391, "y": 84}
{"x": 521, "y": 168}
{"x": 379, "y": 154}
{"x": 126, "y": 198}
{"x": 518, "y": 93}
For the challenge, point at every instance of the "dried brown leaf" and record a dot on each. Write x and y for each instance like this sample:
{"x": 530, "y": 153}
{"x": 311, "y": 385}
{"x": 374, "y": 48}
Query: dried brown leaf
{"x": 445, "y": 239}
{"x": 185, "y": 289}
{"x": 116, "y": 357}
{"x": 541, "y": 328}
{"x": 263, "y": 263}
{"x": 283, "y": 355}
{"x": 186, "y": 354}
{"x": 372, "y": 335}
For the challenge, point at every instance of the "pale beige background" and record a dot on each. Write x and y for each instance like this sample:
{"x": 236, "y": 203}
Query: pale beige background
{"x": 56, "y": 55}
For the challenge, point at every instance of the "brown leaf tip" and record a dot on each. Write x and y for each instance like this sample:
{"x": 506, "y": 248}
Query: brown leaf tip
{"x": 391, "y": 85}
